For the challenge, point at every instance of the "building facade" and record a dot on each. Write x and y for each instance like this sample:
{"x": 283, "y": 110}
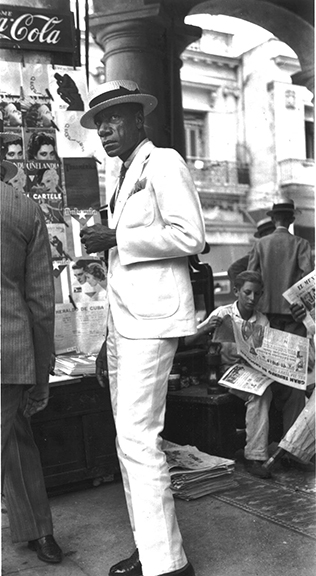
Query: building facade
{"x": 249, "y": 138}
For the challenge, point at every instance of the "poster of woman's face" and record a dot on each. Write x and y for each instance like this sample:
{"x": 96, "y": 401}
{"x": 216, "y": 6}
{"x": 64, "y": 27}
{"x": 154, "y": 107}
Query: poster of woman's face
{"x": 11, "y": 111}
{"x": 41, "y": 145}
{"x": 12, "y": 149}
{"x": 19, "y": 180}
{"x": 37, "y": 113}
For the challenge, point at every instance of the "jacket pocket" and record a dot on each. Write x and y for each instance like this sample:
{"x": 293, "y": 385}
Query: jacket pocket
{"x": 152, "y": 290}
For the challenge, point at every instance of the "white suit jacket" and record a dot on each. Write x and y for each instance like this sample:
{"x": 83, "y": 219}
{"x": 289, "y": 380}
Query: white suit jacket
{"x": 159, "y": 223}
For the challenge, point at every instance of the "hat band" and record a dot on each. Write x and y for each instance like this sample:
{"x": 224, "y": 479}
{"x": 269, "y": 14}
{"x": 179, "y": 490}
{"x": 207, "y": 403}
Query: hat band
{"x": 117, "y": 93}
{"x": 281, "y": 207}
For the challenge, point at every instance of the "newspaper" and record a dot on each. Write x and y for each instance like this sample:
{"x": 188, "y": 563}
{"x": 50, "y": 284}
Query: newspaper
{"x": 76, "y": 364}
{"x": 280, "y": 355}
{"x": 242, "y": 377}
{"x": 194, "y": 474}
{"x": 303, "y": 292}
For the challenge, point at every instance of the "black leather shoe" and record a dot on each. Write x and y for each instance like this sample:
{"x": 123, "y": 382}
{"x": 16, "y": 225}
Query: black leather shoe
{"x": 187, "y": 570}
{"x": 256, "y": 468}
{"x": 129, "y": 567}
{"x": 47, "y": 549}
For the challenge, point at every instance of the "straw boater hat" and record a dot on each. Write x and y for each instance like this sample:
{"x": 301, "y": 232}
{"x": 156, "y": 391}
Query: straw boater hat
{"x": 116, "y": 92}
{"x": 263, "y": 226}
{"x": 8, "y": 170}
{"x": 283, "y": 205}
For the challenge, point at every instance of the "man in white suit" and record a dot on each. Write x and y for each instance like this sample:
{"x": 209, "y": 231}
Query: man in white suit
{"x": 155, "y": 225}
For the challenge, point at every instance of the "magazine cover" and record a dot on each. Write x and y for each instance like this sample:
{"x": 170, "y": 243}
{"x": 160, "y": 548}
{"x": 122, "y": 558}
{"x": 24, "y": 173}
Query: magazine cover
{"x": 12, "y": 144}
{"x": 43, "y": 186}
{"x": 37, "y": 113}
{"x": 11, "y": 113}
{"x": 19, "y": 180}
{"x": 81, "y": 183}
{"x": 40, "y": 145}
{"x": 88, "y": 279}
{"x": 58, "y": 243}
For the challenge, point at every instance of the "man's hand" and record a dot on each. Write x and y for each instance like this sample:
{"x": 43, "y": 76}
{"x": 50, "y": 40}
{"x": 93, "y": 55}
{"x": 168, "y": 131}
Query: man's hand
{"x": 36, "y": 399}
{"x": 98, "y": 238}
{"x": 209, "y": 325}
{"x": 102, "y": 366}
{"x": 52, "y": 364}
{"x": 298, "y": 312}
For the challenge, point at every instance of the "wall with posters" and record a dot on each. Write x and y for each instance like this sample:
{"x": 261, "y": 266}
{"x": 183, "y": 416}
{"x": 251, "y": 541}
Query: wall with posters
{"x": 42, "y": 99}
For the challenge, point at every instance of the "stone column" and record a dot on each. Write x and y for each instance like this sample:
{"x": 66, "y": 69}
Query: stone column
{"x": 144, "y": 43}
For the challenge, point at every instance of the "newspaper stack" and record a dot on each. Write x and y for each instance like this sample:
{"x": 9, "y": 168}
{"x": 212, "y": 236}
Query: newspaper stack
{"x": 76, "y": 364}
{"x": 195, "y": 474}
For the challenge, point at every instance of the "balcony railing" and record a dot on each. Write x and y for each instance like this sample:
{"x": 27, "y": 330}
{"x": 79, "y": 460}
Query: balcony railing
{"x": 231, "y": 177}
{"x": 294, "y": 171}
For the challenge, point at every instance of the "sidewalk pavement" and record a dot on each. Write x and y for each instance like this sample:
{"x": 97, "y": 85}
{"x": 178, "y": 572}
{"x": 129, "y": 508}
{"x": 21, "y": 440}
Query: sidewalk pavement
{"x": 225, "y": 534}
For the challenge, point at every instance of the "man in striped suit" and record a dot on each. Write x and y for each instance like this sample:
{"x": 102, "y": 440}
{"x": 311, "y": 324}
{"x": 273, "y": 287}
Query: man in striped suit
{"x": 27, "y": 344}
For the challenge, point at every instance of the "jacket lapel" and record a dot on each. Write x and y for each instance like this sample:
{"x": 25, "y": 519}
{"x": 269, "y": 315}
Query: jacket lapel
{"x": 132, "y": 175}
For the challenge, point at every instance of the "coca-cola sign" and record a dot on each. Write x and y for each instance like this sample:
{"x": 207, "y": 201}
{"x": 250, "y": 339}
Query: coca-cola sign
{"x": 35, "y": 29}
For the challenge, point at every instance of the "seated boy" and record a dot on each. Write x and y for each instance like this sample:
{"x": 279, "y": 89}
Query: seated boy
{"x": 248, "y": 287}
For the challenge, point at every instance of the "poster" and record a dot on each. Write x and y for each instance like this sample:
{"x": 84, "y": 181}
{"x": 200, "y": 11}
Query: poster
{"x": 40, "y": 144}
{"x": 35, "y": 80}
{"x": 73, "y": 140}
{"x": 81, "y": 183}
{"x": 43, "y": 186}
{"x": 67, "y": 88}
{"x": 11, "y": 77}
{"x": 88, "y": 280}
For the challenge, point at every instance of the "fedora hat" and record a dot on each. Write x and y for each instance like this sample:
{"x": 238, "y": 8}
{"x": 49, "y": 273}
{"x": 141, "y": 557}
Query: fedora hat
{"x": 283, "y": 205}
{"x": 116, "y": 92}
{"x": 8, "y": 170}
{"x": 263, "y": 226}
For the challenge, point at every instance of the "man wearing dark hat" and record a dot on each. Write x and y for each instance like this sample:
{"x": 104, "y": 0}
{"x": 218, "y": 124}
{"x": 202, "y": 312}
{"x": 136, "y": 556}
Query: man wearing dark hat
{"x": 155, "y": 224}
{"x": 282, "y": 259}
{"x": 27, "y": 344}
{"x": 264, "y": 227}
{"x": 8, "y": 171}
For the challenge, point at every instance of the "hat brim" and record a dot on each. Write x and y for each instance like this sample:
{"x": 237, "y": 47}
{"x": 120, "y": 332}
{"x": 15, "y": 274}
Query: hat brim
{"x": 8, "y": 137}
{"x": 289, "y": 210}
{"x": 10, "y": 170}
{"x": 149, "y": 103}
{"x": 264, "y": 229}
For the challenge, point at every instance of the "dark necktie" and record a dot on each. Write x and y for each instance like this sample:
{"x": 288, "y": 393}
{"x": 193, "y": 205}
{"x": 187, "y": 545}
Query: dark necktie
{"x": 116, "y": 193}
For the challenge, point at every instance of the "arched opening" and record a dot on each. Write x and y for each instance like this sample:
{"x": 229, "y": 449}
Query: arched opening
{"x": 248, "y": 130}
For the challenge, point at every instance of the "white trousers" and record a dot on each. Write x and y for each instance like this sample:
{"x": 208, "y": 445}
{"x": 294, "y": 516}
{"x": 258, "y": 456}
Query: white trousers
{"x": 257, "y": 423}
{"x": 138, "y": 374}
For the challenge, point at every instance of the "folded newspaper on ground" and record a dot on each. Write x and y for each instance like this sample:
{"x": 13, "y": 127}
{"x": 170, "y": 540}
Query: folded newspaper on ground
{"x": 303, "y": 292}
{"x": 281, "y": 356}
{"x": 242, "y": 377}
{"x": 194, "y": 473}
